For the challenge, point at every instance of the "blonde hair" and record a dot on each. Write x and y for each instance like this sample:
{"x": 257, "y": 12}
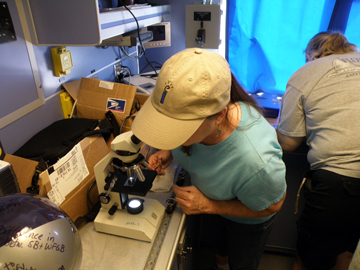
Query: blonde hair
{"x": 327, "y": 43}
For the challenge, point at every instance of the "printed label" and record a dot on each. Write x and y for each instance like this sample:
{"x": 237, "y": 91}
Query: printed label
{"x": 107, "y": 85}
{"x": 67, "y": 174}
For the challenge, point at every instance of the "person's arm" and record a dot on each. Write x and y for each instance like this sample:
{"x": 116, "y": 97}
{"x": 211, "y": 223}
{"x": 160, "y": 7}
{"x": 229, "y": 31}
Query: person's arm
{"x": 193, "y": 202}
{"x": 291, "y": 119}
{"x": 287, "y": 143}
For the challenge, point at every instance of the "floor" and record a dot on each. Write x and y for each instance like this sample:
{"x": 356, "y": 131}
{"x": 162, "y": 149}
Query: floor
{"x": 201, "y": 258}
{"x": 269, "y": 261}
{"x": 276, "y": 261}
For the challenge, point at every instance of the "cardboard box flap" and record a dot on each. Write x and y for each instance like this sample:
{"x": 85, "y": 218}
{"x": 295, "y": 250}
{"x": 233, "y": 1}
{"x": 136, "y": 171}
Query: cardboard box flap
{"x": 96, "y": 97}
{"x": 72, "y": 88}
{"x": 24, "y": 170}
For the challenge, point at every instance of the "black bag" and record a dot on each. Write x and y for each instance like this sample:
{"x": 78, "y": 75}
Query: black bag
{"x": 56, "y": 140}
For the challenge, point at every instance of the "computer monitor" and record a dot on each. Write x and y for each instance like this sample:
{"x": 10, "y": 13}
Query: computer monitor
{"x": 161, "y": 35}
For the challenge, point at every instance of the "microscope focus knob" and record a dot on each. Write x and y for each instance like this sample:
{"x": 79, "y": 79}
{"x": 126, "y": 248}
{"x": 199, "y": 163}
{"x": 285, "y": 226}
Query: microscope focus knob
{"x": 113, "y": 209}
{"x": 105, "y": 199}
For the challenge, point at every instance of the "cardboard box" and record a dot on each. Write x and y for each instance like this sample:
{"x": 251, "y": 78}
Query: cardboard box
{"x": 92, "y": 109}
{"x": 24, "y": 170}
{"x": 76, "y": 204}
{"x": 142, "y": 98}
{"x": 96, "y": 97}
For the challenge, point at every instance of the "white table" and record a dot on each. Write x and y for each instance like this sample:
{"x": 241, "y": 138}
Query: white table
{"x": 105, "y": 251}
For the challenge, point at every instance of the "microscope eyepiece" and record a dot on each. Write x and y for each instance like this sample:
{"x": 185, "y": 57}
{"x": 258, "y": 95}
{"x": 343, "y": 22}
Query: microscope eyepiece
{"x": 135, "y": 140}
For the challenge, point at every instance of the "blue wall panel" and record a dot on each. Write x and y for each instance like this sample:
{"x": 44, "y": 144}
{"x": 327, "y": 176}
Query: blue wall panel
{"x": 17, "y": 86}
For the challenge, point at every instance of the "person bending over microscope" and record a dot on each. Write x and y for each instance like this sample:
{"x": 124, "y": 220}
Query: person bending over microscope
{"x": 199, "y": 115}
{"x": 322, "y": 104}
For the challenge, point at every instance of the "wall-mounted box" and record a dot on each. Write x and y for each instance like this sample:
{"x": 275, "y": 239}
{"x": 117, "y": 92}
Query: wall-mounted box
{"x": 202, "y": 26}
{"x": 62, "y": 60}
{"x": 81, "y": 23}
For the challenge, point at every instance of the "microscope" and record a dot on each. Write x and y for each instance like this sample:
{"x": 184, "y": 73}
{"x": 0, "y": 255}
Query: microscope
{"x": 118, "y": 175}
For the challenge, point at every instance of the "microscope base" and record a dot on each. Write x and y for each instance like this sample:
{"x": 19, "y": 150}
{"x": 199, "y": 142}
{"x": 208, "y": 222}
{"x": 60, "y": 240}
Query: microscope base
{"x": 142, "y": 226}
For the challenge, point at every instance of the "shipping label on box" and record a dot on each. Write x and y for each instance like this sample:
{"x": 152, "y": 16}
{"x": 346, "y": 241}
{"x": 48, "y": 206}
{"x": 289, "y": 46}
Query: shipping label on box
{"x": 66, "y": 174}
{"x": 67, "y": 182}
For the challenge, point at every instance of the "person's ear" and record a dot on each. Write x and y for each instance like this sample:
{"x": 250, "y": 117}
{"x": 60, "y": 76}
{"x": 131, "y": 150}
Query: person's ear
{"x": 220, "y": 116}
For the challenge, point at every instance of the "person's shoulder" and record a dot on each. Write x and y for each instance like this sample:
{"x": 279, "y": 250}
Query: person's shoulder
{"x": 326, "y": 62}
{"x": 312, "y": 70}
{"x": 310, "y": 66}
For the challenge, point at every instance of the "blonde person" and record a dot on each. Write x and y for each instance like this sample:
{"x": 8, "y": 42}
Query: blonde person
{"x": 200, "y": 116}
{"x": 322, "y": 105}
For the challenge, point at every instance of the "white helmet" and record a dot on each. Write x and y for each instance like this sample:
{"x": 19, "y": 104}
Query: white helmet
{"x": 37, "y": 234}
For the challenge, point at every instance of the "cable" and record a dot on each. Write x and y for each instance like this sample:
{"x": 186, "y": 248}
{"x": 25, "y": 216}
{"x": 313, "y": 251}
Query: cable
{"x": 88, "y": 193}
{"x": 138, "y": 31}
{"x": 123, "y": 122}
{"x": 73, "y": 109}
{"x": 130, "y": 57}
{"x": 136, "y": 106}
{"x": 148, "y": 65}
{"x": 126, "y": 67}
{"x": 125, "y": 53}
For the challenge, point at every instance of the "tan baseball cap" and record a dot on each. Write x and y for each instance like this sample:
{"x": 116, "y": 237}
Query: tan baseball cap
{"x": 192, "y": 85}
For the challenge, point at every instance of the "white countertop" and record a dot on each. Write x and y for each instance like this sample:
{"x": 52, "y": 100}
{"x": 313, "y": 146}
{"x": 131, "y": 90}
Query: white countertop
{"x": 105, "y": 251}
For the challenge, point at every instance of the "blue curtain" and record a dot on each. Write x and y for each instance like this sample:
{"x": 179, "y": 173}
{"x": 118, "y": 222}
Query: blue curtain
{"x": 266, "y": 39}
{"x": 352, "y": 28}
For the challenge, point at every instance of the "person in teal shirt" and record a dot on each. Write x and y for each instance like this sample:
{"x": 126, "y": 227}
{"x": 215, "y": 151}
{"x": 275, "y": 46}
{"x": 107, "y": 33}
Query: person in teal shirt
{"x": 199, "y": 115}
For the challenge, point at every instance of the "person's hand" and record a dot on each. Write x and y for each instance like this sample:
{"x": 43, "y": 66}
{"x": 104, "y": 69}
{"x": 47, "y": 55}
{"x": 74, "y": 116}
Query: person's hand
{"x": 160, "y": 161}
{"x": 191, "y": 200}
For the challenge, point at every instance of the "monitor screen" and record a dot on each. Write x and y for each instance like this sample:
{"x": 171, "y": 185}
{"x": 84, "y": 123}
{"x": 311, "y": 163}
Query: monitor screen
{"x": 161, "y": 35}
{"x": 158, "y": 32}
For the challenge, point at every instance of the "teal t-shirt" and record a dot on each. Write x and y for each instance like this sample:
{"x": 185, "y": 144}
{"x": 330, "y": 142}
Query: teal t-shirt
{"x": 247, "y": 165}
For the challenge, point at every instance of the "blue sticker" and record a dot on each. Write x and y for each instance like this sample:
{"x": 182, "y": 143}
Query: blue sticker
{"x": 163, "y": 97}
{"x": 117, "y": 105}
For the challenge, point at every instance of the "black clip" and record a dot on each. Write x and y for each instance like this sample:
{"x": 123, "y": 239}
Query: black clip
{"x": 34, "y": 189}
